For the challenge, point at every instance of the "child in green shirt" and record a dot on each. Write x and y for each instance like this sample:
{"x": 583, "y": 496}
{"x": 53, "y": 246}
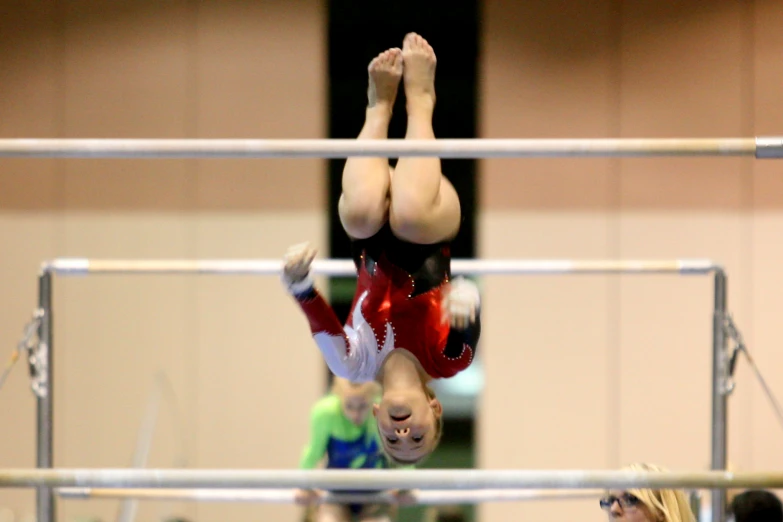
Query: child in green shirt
{"x": 343, "y": 432}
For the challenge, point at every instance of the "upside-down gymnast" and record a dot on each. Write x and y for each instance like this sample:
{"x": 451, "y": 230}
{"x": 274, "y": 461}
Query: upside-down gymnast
{"x": 409, "y": 322}
{"x": 342, "y": 431}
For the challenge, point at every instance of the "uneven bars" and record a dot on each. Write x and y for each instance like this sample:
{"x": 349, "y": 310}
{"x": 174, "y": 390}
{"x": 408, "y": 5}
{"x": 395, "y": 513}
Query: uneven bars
{"x": 373, "y": 480}
{"x": 346, "y": 267}
{"x": 431, "y": 497}
{"x": 759, "y": 147}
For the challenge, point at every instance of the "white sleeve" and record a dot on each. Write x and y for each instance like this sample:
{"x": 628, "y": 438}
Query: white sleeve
{"x": 358, "y": 360}
{"x": 346, "y": 361}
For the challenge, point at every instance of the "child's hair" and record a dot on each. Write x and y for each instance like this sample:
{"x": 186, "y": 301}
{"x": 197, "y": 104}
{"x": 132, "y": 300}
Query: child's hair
{"x": 372, "y": 388}
{"x": 756, "y": 505}
{"x": 435, "y": 441}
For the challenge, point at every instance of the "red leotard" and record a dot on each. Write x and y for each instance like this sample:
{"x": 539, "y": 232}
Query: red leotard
{"x": 397, "y": 304}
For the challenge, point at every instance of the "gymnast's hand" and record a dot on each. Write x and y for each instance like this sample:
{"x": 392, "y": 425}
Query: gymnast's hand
{"x": 297, "y": 262}
{"x": 461, "y": 303}
{"x": 305, "y": 497}
{"x": 404, "y": 497}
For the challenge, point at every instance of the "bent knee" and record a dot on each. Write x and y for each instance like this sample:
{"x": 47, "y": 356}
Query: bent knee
{"x": 407, "y": 215}
{"x": 363, "y": 217}
{"x": 424, "y": 222}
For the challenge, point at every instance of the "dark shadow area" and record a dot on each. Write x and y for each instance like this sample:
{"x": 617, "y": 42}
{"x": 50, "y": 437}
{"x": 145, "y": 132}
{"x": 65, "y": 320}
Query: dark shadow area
{"x": 358, "y": 31}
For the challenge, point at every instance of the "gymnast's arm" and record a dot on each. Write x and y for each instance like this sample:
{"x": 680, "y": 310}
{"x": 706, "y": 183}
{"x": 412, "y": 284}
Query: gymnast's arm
{"x": 463, "y": 306}
{"x": 460, "y": 339}
{"x": 341, "y": 358}
{"x": 328, "y": 333}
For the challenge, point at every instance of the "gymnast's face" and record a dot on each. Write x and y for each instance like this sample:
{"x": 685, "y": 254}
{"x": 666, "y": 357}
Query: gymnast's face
{"x": 356, "y": 405}
{"x": 407, "y": 422}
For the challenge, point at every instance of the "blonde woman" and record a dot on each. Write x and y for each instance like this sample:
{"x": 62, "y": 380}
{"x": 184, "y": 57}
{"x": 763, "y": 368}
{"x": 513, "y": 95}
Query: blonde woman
{"x": 647, "y": 505}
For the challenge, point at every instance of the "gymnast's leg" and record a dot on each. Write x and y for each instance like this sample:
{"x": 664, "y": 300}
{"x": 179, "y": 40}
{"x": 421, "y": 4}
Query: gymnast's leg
{"x": 364, "y": 203}
{"x": 424, "y": 206}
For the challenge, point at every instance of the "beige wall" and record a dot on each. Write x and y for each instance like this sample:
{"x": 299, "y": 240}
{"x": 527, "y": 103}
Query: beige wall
{"x": 228, "y": 345}
{"x": 611, "y": 370}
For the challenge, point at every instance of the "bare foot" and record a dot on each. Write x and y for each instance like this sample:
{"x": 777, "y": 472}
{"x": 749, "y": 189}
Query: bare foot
{"x": 419, "y": 62}
{"x": 385, "y": 72}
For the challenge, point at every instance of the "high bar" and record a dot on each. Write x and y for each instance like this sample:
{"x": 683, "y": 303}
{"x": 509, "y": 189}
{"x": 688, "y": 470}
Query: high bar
{"x": 759, "y": 147}
{"x": 374, "y": 480}
{"x": 430, "y": 497}
{"x": 346, "y": 267}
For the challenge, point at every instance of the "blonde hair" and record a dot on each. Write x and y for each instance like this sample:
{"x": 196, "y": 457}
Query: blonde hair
{"x": 665, "y": 505}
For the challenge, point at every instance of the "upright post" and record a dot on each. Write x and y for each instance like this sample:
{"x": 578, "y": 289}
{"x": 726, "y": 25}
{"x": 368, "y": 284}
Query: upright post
{"x": 719, "y": 402}
{"x": 43, "y": 389}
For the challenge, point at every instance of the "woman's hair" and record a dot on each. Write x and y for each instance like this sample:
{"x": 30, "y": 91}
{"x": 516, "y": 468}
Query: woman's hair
{"x": 435, "y": 441}
{"x": 665, "y": 505}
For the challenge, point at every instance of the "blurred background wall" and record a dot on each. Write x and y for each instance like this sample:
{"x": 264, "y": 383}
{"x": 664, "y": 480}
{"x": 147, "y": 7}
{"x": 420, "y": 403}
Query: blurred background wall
{"x": 574, "y": 372}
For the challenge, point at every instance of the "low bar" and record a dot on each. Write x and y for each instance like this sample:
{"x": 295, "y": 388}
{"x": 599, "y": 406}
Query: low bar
{"x": 393, "y": 148}
{"x": 346, "y": 267}
{"x": 373, "y": 480}
{"x": 431, "y": 497}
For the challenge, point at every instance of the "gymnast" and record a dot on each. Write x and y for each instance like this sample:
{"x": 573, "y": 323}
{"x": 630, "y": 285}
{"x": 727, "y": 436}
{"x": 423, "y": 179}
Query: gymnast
{"x": 342, "y": 430}
{"x": 409, "y": 321}
{"x": 647, "y": 505}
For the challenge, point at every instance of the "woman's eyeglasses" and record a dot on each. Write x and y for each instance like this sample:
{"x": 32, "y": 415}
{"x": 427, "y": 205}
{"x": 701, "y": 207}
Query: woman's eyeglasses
{"x": 626, "y": 500}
